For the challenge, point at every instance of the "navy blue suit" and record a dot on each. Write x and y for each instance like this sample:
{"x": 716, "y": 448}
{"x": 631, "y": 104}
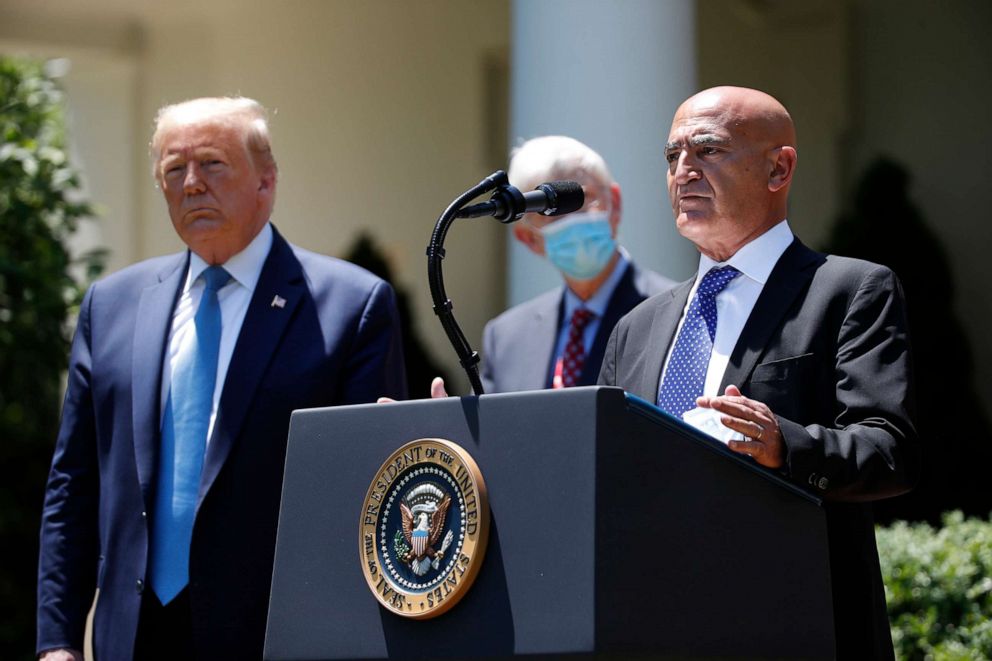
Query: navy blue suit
{"x": 336, "y": 340}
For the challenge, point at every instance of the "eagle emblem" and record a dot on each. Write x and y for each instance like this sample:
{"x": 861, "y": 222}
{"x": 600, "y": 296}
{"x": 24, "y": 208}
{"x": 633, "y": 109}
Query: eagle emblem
{"x": 423, "y": 511}
{"x": 424, "y": 527}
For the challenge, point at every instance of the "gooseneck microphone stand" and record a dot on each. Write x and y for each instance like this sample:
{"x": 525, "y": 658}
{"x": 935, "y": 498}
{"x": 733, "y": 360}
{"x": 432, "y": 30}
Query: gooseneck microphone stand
{"x": 468, "y": 358}
{"x": 506, "y": 205}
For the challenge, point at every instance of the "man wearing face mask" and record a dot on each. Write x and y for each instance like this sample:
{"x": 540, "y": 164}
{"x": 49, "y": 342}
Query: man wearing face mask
{"x": 557, "y": 339}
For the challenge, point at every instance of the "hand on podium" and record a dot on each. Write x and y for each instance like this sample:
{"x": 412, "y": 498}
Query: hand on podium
{"x": 752, "y": 418}
{"x": 437, "y": 391}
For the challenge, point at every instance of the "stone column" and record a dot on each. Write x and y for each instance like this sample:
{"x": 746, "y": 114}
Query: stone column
{"x": 610, "y": 74}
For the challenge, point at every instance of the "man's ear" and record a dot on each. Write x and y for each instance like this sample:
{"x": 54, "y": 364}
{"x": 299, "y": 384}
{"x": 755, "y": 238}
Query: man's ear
{"x": 783, "y": 167}
{"x": 616, "y": 208}
{"x": 529, "y": 237}
{"x": 267, "y": 180}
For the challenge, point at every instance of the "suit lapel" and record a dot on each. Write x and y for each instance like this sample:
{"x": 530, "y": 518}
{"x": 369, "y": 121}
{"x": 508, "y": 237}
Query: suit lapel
{"x": 151, "y": 331}
{"x": 261, "y": 332}
{"x": 788, "y": 279}
{"x": 537, "y": 343}
{"x": 663, "y": 325}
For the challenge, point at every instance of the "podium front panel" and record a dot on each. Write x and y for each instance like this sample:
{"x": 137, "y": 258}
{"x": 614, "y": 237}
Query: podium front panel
{"x": 614, "y": 529}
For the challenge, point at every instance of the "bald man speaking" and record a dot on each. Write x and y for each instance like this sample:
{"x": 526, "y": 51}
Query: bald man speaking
{"x": 805, "y": 355}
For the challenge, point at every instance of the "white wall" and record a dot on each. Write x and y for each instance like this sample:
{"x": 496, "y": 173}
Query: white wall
{"x": 101, "y": 123}
{"x": 383, "y": 110}
{"x": 798, "y": 52}
{"x": 612, "y": 77}
{"x": 924, "y": 94}
{"x": 380, "y": 119}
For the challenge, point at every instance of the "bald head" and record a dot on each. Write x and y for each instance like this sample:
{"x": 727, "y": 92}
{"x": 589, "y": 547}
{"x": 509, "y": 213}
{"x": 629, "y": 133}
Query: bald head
{"x": 756, "y": 115}
{"x": 731, "y": 155}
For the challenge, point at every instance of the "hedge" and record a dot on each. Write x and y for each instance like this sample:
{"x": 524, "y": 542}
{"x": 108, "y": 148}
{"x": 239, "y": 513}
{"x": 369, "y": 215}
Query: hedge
{"x": 40, "y": 208}
{"x": 938, "y": 585}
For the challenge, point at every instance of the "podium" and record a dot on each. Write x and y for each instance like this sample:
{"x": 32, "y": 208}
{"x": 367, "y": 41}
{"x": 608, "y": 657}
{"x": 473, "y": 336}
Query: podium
{"x": 616, "y": 530}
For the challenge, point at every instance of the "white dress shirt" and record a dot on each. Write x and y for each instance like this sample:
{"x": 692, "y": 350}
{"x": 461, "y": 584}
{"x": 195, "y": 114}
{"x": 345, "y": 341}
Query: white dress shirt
{"x": 755, "y": 261}
{"x": 234, "y": 297}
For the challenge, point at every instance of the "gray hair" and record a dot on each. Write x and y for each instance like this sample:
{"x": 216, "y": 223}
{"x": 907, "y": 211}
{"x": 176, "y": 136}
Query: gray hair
{"x": 556, "y": 158}
{"x": 247, "y": 114}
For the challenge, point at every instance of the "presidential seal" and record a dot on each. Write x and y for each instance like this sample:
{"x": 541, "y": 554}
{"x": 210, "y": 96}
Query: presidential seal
{"x": 424, "y": 528}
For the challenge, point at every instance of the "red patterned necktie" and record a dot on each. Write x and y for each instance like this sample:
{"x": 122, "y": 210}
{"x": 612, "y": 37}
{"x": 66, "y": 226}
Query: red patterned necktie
{"x": 575, "y": 353}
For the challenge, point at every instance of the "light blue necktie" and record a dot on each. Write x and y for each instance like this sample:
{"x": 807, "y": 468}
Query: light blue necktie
{"x": 184, "y": 439}
{"x": 686, "y": 373}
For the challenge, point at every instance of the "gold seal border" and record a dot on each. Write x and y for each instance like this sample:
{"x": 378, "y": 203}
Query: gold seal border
{"x": 396, "y": 599}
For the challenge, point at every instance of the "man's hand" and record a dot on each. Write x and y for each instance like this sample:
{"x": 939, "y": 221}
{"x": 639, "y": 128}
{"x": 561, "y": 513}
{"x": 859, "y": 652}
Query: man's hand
{"x": 437, "y": 391}
{"x": 61, "y": 655}
{"x": 753, "y": 419}
{"x": 437, "y": 388}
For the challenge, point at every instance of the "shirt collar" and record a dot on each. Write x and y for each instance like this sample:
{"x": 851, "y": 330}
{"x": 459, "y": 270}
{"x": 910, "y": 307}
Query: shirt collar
{"x": 597, "y": 302}
{"x": 245, "y": 267}
{"x": 757, "y": 258}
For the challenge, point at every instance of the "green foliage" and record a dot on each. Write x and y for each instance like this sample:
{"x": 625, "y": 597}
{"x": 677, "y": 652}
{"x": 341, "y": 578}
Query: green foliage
{"x": 39, "y": 209}
{"x": 938, "y": 585}
{"x": 400, "y": 547}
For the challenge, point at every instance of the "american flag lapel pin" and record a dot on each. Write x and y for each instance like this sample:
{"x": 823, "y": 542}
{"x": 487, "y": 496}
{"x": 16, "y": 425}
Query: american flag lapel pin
{"x": 278, "y": 301}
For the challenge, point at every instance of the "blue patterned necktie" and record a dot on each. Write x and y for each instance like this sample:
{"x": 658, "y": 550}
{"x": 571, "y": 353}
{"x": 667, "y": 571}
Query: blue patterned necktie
{"x": 184, "y": 439}
{"x": 686, "y": 373}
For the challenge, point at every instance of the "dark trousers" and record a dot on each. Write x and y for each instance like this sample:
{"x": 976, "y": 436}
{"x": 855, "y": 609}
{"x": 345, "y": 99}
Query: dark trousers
{"x": 164, "y": 632}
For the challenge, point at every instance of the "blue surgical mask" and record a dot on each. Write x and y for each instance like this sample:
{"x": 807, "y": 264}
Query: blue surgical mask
{"x": 580, "y": 245}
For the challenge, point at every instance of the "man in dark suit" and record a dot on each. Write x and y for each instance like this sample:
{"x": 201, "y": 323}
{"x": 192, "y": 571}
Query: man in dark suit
{"x": 558, "y": 338}
{"x": 805, "y": 355}
{"x": 165, "y": 485}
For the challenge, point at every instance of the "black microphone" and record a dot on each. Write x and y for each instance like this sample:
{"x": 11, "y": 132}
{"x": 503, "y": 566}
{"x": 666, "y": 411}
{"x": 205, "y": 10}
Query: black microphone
{"x": 508, "y": 204}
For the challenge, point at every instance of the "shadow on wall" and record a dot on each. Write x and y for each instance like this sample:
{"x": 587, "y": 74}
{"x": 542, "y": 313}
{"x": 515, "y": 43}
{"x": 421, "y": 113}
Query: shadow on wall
{"x": 421, "y": 368}
{"x": 884, "y": 226}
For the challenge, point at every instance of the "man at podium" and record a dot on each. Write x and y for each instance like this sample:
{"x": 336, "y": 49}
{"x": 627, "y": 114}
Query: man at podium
{"x": 804, "y": 355}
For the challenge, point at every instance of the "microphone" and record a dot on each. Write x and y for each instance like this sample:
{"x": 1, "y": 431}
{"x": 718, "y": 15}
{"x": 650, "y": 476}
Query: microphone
{"x": 508, "y": 204}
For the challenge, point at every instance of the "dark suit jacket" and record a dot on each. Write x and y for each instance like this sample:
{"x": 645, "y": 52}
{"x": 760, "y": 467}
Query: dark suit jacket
{"x": 335, "y": 341}
{"x": 826, "y": 349}
{"x": 518, "y": 345}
